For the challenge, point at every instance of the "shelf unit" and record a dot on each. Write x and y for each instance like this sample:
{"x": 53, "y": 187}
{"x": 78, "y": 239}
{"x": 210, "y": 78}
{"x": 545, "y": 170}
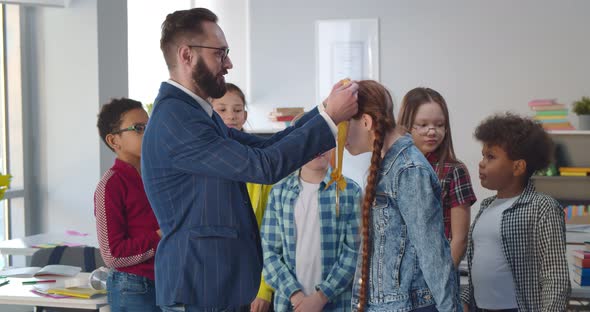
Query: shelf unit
{"x": 572, "y": 149}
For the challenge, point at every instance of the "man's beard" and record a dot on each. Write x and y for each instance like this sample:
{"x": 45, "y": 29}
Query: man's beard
{"x": 206, "y": 81}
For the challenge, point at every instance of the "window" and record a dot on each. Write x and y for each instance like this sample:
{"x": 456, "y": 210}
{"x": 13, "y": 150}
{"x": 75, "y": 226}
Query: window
{"x": 12, "y": 207}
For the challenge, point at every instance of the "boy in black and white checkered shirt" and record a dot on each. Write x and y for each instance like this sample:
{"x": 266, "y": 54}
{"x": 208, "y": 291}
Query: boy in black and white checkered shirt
{"x": 516, "y": 252}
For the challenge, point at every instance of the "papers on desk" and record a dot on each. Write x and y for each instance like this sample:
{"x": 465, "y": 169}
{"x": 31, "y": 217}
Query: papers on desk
{"x": 53, "y": 245}
{"x": 49, "y": 270}
{"x": 68, "y": 289}
{"x": 78, "y": 292}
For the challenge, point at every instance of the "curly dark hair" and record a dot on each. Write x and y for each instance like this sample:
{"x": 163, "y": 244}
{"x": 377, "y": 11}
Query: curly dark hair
{"x": 520, "y": 137}
{"x": 109, "y": 118}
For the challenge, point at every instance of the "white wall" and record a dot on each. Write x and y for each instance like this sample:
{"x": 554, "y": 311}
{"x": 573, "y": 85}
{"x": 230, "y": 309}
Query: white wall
{"x": 68, "y": 156}
{"x": 484, "y": 57}
{"x": 66, "y": 88}
{"x": 233, "y": 19}
{"x": 147, "y": 68}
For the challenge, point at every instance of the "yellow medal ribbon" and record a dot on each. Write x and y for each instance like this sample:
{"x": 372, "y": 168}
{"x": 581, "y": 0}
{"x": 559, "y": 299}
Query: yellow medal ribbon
{"x": 336, "y": 175}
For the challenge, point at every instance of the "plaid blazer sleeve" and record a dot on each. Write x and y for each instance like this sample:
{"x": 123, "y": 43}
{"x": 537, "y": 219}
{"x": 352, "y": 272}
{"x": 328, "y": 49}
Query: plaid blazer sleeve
{"x": 340, "y": 277}
{"x": 554, "y": 278}
{"x": 275, "y": 270}
{"x": 212, "y": 154}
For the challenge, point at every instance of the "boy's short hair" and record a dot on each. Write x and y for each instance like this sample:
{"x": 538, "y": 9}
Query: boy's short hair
{"x": 521, "y": 138}
{"x": 109, "y": 118}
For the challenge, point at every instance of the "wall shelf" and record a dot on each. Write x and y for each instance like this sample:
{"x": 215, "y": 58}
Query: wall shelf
{"x": 572, "y": 149}
{"x": 569, "y": 132}
{"x": 569, "y": 189}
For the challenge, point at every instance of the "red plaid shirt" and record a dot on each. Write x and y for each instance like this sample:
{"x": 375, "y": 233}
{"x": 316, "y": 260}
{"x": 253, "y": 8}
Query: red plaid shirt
{"x": 456, "y": 188}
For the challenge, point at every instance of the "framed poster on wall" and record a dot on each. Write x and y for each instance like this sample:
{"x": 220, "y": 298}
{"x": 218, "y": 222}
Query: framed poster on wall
{"x": 345, "y": 49}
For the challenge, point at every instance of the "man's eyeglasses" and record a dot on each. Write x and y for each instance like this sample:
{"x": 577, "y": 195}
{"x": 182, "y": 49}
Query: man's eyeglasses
{"x": 138, "y": 128}
{"x": 423, "y": 129}
{"x": 223, "y": 54}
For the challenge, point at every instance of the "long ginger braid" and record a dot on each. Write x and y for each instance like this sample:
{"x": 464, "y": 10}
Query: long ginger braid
{"x": 375, "y": 101}
{"x": 370, "y": 191}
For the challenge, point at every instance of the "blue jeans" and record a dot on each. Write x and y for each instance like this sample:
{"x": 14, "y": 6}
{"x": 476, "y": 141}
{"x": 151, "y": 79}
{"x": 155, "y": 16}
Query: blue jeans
{"x": 130, "y": 293}
{"x": 188, "y": 308}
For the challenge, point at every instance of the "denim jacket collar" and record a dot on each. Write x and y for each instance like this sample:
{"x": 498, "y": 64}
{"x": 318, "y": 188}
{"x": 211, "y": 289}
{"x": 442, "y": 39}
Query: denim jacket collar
{"x": 402, "y": 143}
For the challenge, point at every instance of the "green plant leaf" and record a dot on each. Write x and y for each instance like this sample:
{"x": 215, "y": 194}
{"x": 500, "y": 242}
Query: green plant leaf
{"x": 582, "y": 107}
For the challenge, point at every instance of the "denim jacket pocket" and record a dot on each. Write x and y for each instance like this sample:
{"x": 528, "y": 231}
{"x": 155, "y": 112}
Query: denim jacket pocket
{"x": 381, "y": 213}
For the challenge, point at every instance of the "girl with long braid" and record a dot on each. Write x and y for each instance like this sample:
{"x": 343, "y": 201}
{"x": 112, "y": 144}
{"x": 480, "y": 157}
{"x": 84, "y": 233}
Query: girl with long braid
{"x": 405, "y": 262}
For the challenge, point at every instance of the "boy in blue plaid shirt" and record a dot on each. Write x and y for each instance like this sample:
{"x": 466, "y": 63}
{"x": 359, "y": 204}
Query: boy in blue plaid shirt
{"x": 310, "y": 247}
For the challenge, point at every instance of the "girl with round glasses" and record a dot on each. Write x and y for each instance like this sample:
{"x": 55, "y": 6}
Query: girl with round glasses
{"x": 425, "y": 115}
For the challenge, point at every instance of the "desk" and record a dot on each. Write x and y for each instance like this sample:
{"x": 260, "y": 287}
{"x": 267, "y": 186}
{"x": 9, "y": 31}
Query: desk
{"x": 17, "y": 294}
{"x": 24, "y": 246}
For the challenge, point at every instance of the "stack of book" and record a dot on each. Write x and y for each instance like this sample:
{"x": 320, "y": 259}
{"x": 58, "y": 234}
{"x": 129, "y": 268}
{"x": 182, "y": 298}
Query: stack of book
{"x": 582, "y": 266}
{"x": 574, "y": 171}
{"x": 576, "y": 211}
{"x": 552, "y": 115}
{"x": 281, "y": 117}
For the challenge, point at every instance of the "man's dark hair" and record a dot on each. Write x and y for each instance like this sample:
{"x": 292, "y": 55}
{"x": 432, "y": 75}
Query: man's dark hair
{"x": 521, "y": 138}
{"x": 180, "y": 24}
{"x": 109, "y": 118}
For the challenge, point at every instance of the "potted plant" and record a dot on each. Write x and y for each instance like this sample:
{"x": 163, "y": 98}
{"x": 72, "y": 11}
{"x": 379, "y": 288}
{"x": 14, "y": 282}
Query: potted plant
{"x": 4, "y": 184}
{"x": 582, "y": 109}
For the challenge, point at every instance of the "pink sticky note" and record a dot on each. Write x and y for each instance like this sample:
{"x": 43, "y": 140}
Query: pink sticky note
{"x": 75, "y": 233}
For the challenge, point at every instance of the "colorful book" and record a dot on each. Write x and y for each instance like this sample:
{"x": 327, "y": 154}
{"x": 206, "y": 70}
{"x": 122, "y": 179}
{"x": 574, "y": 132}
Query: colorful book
{"x": 560, "y": 121}
{"x": 562, "y": 112}
{"x": 583, "y": 263}
{"x": 582, "y": 254}
{"x": 552, "y": 117}
{"x": 548, "y": 107}
{"x": 289, "y": 110}
{"x": 582, "y": 271}
{"x": 573, "y": 174}
{"x": 574, "y": 169}
{"x": 282, "y": 118}
{"x": 581, "y": 280}
{"x": 558, "y": 126}
{"x": 542, "y": 102}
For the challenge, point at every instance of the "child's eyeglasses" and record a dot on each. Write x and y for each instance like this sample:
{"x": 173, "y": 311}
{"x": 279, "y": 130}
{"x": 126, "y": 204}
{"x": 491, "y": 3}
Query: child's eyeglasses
{"x": 138, "y": 128}
{"x": 423, "y": 129}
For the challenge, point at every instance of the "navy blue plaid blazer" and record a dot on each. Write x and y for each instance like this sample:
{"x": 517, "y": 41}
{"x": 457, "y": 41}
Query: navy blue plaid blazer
{"x": 194, "y": 170}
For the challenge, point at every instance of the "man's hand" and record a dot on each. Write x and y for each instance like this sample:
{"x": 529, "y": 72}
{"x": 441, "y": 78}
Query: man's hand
{"x": 259, "y": 305}
{"x": 342, "y": 104}
{"x": 296, "y": 298}
{"x": 313, "y": 303}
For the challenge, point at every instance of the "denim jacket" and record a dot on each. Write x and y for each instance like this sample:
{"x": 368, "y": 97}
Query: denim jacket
{"x": 410, "y": 262}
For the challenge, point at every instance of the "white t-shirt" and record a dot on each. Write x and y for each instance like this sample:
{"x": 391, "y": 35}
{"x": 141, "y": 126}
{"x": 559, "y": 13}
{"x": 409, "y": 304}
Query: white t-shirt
{"x": 493, "y": 283}
{"x": 308, "y": 261}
